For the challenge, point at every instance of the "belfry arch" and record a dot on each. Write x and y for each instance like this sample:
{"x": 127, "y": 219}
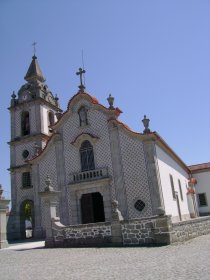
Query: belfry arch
{"x": 25, "y": 123}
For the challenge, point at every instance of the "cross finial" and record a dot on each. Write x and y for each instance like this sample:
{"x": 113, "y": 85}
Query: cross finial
{"x": 80, "y": 73}
{"x": 34, "y": 46}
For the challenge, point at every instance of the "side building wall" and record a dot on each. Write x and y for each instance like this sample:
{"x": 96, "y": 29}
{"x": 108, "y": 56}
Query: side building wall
{"x": 168, "y": 166}
{"x": 203, "y": 188}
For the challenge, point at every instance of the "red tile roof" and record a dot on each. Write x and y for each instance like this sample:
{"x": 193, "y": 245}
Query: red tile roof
{"x": 200, "y": 166}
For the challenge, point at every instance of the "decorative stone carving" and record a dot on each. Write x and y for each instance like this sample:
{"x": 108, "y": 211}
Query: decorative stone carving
{"x": 110, "y": 100}
{"x": 146, "y": 124}
{"x": 37, "y": 149}
{"x": 116, "y": 214}
{"x": 48, "y": 183}
{"x": 83, "y": 116}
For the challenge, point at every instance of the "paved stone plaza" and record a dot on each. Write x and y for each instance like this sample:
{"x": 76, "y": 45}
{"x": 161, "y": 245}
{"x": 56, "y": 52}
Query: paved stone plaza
{"x": 190, "y": 260}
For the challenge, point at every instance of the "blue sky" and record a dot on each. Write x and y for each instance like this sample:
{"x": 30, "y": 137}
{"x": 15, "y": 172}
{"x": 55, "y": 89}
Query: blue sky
{"x": 153, "y": 56}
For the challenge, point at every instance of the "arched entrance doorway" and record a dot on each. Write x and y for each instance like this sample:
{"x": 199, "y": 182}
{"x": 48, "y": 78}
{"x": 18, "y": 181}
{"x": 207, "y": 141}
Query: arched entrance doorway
{"x": 92, "y": 208}
{"x": 27, "y": 219}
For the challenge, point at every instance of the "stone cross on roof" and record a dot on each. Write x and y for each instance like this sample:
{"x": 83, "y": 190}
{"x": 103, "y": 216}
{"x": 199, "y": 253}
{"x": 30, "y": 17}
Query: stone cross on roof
{"x": 80, "y": 73}
{"x": 34, "y": 45}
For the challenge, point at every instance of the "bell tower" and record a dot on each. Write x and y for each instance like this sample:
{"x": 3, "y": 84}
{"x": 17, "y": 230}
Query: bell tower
{"x": 32, "y": 111}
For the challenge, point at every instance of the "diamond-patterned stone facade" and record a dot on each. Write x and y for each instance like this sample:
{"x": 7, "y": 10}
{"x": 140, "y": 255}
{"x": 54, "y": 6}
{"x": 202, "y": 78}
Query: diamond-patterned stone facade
{"x": 64, "y": 152}
{"x": 22, "y": 193}
{"x": 135, "y": 174}
{"x": 97, "y": 126}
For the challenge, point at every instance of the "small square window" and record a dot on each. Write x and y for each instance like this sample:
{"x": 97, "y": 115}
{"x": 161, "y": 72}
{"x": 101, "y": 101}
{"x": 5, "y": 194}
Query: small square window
{"x": 202, "y": 199}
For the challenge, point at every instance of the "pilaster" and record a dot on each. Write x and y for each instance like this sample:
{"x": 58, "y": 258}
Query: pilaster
{"x": 61, "y": 179}
{"x": 153, "y": 177}
{"x": 120, "y": 190}
{"x": 37, "y": 203}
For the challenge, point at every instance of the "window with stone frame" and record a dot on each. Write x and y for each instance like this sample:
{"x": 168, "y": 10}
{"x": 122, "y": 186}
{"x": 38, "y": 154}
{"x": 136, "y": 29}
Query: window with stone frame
{"x": 172, "y": 186}
{"x": 25, "y": 123}
{"x": 202, "y": 200}
{"x": 87, "y": 156}
{"x": 26, "y": 180}
{"x": 180, "y": 189}
{"x": 83, "y": 119}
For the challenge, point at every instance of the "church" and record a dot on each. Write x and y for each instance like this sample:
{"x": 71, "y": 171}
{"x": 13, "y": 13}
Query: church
{"x": 91, "y": 158}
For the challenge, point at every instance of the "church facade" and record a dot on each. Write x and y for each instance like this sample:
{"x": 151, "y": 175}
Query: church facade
{"x": 91, "y": 158}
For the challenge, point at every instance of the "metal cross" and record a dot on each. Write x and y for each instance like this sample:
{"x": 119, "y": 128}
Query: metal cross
{"x": 80, "y": 73}
{"x": 34, "y": 45}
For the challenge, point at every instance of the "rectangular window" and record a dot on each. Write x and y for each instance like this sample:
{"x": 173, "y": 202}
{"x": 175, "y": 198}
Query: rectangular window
{"x": 26, "y": 180}
{"x": 172, "y": 187}
{"x": 180, "y": 189}
{"x": 202, "y": 199}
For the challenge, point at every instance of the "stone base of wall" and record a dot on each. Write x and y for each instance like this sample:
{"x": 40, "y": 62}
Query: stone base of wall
{"x": 146, "y": 231}
{"x": 152, "y": 231}
{"x": 88, "y": 235}
{"x": 186, "y": 230}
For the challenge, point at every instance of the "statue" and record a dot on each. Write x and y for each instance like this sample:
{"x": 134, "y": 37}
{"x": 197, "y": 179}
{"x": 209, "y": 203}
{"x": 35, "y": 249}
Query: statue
{"x": 83, "y": 116}
{"x": 116, "y": 214}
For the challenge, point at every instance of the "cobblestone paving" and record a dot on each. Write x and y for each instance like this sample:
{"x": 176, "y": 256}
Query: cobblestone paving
{"x": 190, "y": 260}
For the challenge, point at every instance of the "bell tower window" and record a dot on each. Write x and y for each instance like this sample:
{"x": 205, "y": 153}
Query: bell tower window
{"x": 25, "y": 123}
{"x": 51, "y": 119}
{"x": 87, "y": 156}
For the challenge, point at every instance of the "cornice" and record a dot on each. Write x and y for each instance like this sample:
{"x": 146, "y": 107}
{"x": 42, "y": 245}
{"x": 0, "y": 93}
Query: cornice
{"x": 112, "y": 113}
{"x": 19, "y": 167}
{"x": 28, "y": 138}
{"x": 152, "y": 136}
{"x": 37, "y": 100}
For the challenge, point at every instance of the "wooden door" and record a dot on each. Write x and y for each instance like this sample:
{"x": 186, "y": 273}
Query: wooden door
{"x": 87, "y": 208}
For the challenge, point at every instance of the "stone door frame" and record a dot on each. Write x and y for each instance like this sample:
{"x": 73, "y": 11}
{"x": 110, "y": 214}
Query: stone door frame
{"x": 76, "y": 192}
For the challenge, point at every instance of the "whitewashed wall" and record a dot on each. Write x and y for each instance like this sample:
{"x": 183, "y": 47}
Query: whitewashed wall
{"x": 45, "y": 120}
{"x": 167, "y": 165}
{"x": 203, "y": 186}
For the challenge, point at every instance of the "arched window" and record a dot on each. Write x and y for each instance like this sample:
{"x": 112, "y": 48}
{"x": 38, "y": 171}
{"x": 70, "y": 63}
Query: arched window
{"x": 87, "y": 156}
{"x": 83, "y": 116}
{"x": 25, "y": 123}
{"x": 51, "y": 119}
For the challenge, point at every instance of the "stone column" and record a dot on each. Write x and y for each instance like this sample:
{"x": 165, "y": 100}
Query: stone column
{"x": 38, "y": 232}
{"x": 153, "y": 177}
{"x": 50, "y": 197}
{"x": 3, "y": 220}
